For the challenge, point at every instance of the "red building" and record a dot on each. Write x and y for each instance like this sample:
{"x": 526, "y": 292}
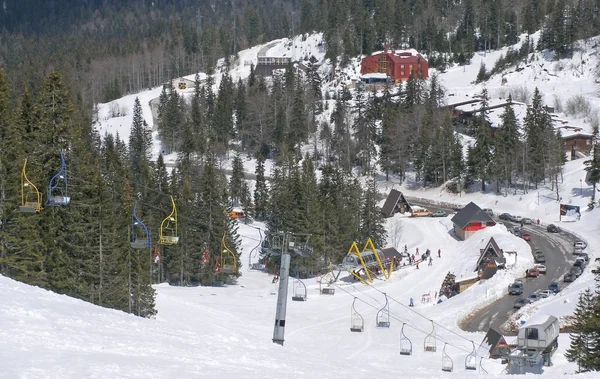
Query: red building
{"x": 399, "y": 65}
{"x": 469, "y": 220}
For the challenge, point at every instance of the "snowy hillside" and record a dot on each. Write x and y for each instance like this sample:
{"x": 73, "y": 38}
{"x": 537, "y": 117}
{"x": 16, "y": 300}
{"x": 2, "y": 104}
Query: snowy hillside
{"x": 226, "y": 332}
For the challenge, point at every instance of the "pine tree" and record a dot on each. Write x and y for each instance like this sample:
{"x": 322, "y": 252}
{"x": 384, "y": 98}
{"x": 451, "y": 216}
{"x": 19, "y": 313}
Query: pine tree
{"x": 538, "y": 129}
{"x": 236, "y": 180}
{"x": 506, "y": 146}
{"x": 261, "y": 194}
{"x": 372, "y": 223}
{"x": 140, "y": 143}
{"x": 582, "y": 334}
{"x": 593, "y": 164}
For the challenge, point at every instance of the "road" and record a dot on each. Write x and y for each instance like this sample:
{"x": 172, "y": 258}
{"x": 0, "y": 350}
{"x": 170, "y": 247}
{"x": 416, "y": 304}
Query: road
{"x": 557, "y": 248}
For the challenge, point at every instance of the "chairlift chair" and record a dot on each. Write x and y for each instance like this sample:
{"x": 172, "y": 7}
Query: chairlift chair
{"x": 482, "y": 370}
{"x": 58, "y": 186}
{"x": 31, "y": 199}
{"x": 447, "y": 364}
{"x": 357, "y": 323}
{"x": 228, "y": 258}
{"x": 140, "y": 236}
{"x": 168, "y": 227}
{"x": 405, "y": 343}
{"x": 328, "y": 290}
{"x": 298, "y": 290}
{"x": 429, "y": 343}
{"x": 383, "y": 316}
{"x": 471, "y": 359}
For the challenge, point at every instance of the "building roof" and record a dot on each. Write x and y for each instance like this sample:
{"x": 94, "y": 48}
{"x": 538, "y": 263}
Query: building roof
{"x": 391, "y": 252}
{"x": 539, "y": 320}
{"x": 471, "y": 212}
{"x": 498, "y": 252}
{"x": 492, "y": 339}
{"x": 375, "y": 75}
{"x": 390, "y": 203}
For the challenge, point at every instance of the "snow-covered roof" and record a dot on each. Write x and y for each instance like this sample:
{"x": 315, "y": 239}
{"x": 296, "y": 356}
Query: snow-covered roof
{"x": 539, "y": 319}
{"x": 374, "y": 75}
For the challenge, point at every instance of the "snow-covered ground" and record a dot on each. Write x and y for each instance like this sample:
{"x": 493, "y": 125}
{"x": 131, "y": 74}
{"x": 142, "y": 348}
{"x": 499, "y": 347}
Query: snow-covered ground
{"x": 226, "y": 332}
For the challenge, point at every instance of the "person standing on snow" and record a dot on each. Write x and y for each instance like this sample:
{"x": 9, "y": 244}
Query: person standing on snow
{"x": 439, "y": 253}
{"x": 430, "y": 261}
{"x": 411, "y": 304}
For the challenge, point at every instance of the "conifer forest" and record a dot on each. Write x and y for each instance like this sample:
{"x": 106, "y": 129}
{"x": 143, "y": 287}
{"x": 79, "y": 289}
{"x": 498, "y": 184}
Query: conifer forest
{"x": 59, "y": 58}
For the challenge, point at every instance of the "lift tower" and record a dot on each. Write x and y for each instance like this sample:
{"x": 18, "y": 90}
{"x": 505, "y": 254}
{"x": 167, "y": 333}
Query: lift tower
{"x": 298, "y": 244}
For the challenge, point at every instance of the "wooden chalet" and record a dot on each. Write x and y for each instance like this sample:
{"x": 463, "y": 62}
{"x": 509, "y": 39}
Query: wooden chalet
{"x": 495, "y": 343}
{"x": 395, "y": 202}
{"x": 469, "y": 220}
{"x": 491, "y": 259}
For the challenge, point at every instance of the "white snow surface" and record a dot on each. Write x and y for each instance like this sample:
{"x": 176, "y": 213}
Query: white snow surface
{"x": 226, "y": 332}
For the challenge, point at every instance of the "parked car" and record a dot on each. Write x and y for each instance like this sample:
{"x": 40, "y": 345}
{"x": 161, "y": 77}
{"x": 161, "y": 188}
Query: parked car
{"x": 577, "y": 251}
{"x": 580, "y": 244}
{"x": 582, "y": 260}
{"x": 504, "y": 216}
{"x": 568, "y": 278}
{"x": 532, "y": 273}
{"x": 489, "y": 211}
{"x": 515, "y": 218}
{"x": 596, "y": 270}
{"x": 517, "y": 229}
{"x": 526, "y": 236}
{"x": 539, "y": 257}
{"x": 421, "y": 212}
{"x": 439, "y": 214}
{"x": 553, "y": 228}
{"x": 545, "y": 293}
{"x": 518, "y": 281}
{"x": 585, "y": 256}
{"x": 576, "y": 271}
{"x": 554, "y": 287}
{"x": 518, "y": 233}
{"x": 515, "y": 289}
{"x": 527, "y": 221}
{"x": 521, "y": 302}
{"x": 541, "y": 268}
{"x": 534, "y": 297}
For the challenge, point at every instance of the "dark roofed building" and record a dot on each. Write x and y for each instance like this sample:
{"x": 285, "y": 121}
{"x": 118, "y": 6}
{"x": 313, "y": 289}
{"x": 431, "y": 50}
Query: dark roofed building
{"x": 469, "y": 220}
{"x": 491, "y": 259}
{"x": 495, "y": 343}
{"x": 395, "y": 202}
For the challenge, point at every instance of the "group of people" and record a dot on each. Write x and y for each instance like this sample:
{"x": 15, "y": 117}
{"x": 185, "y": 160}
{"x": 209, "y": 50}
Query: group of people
{"x": 425, "y": 256}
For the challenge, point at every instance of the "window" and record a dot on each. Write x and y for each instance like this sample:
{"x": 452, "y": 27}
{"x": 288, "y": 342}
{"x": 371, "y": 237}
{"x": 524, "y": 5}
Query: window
{"x": 401, "y": 66}
{"x": 531, "y": 333}
{"x": 401, "y": 73}
{"x": 410, "y": 66}
{"x": 383, "y": 64}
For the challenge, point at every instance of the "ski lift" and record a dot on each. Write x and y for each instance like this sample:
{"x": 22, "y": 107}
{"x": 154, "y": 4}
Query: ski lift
{"x": 31, "y": 199}
{"x": 405, "y": 343}
{"x": 447, "y": 364}
{"x": 471, "y": 359}
{"x": 168, "y": 228}
{"x": 328, "y": 290}
{"x": 357, "y": 323}
{"x": 298, "y": 243}
{"x": 383, "y": 316}
{"x": 140, "y": 236}
{"x": 228, "y": 258}
{"x": 58, "y": 188}
{"x": 481, "y": 369}
{"x": 298, "y": 290}
{"x": 254, "y": 251}
{"x": 429, "y": 342}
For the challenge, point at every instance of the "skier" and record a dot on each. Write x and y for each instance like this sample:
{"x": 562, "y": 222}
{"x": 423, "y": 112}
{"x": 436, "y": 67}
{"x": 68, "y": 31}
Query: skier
{"x": 430, "y": 261}
{"x": 417, "y": 265}
{"x": 411, "y": 304}
{"x": 439, "y": 253}
{"x": 417, "y": 251}
{"x": 413, "y": 258}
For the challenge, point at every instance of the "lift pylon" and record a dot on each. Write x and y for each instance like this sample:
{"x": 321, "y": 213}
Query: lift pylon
{"x": 429, "y": 343}
{"x": 31, "y": 199}
{"x": 447, "y": 364}
{"x": 168, "y": 227}
{"x": 471, "y": 359}
{"x": 405, "y": 343}
{"x": 357, "y": 322}
{"x": 383, "y": 316}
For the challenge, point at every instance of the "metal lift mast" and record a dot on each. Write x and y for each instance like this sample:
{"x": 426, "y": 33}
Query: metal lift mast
{"x": 284, "y": 273}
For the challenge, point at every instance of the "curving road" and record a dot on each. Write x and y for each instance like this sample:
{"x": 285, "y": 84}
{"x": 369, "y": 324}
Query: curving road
{"x": 557, "y": 248}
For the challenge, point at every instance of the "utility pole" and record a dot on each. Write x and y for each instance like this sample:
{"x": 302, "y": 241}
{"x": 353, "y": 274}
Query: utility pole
{"x": 284, "y": 271}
